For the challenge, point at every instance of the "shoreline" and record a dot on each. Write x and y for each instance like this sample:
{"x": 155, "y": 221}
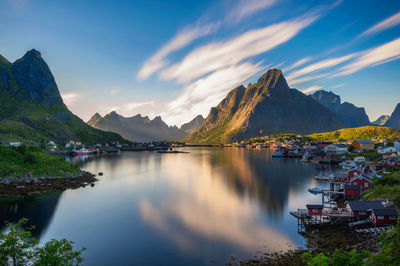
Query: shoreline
{"x": 33, "y": 185}
{"x": 322, "y": 240}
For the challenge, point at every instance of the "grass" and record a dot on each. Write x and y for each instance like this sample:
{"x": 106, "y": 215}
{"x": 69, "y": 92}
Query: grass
{"x": 367, "y": 132}
{"x": 386, "y": 187}
{"x": 15, "y": 161}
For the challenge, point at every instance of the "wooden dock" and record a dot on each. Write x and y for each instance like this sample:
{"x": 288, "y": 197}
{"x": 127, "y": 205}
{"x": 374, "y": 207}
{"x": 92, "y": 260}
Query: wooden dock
{"x": 374, "y": 230}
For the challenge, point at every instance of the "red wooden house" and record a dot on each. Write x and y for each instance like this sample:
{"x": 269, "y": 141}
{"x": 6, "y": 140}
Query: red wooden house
{"x": 354, "y": 172}
{"x": 352, "y": 191}
{"x": 361, "y": 209}
{"x": 383, "y": 216}
{"x": 314, "y": 209}
{"x": 362, "y": 180}
{"x": 340, "y": 178}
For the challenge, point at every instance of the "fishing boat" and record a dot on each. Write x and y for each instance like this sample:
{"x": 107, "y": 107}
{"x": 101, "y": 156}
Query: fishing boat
{"x": 315, "y": 190}
{"x": 323, "y": 178}
{"x": 81, "y": 151}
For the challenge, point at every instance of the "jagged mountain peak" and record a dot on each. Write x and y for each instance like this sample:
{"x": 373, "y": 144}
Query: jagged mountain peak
{"x": 34, "y": 77}
{"x": 381, "y": 120}
{"x": 394, "y": 120}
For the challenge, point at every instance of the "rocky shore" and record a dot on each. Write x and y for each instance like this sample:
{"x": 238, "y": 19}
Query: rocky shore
{"x": 326, "y": 239}
{"x": 29, "y": 185}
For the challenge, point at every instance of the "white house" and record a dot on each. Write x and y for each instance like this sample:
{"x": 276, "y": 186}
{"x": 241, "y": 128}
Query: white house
{"x": 386, "y": 149}
{"x": 396, "y": 144}
{"x": 15, "y": 144}
{"x": 359, "y": 159}
{"x": 336, "y": 148}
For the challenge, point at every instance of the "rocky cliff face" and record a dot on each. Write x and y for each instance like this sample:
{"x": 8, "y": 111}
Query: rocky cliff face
{"x": 348, "y": 113}
{"x": 381, "y": 120}
{"x": 394, "y": 120}
{"x": 34, "y": 77}
{"x": 191, "y": 126}
{"x": 267, "y": 107}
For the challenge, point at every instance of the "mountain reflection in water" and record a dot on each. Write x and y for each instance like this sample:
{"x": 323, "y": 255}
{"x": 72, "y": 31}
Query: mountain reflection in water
{"x": 187, "y": 209}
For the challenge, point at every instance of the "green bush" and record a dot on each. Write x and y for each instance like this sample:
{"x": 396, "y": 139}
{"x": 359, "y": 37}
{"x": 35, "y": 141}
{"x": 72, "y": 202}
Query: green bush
{"x": 18, "y": 247}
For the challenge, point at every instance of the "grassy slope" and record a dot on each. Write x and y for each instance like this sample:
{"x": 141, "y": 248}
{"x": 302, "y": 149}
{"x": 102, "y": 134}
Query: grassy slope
{"x": 18, "y": 161}
{"x": 367, "y": 132}
{"x": 23, "y": 120}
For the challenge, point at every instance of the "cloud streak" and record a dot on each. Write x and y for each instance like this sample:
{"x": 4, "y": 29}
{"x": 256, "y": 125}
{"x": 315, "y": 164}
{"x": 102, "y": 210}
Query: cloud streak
{"x": 245, "y": 8}
{"x": 382, "y": 54}
{"x": 134, "y": 105}
{"x": 70, "y": 98}
{"x": 311, "y": 89}
{"x": 383, "y": 25}
{"x": 158, "y": 61}
{"x": 216, "y": 56}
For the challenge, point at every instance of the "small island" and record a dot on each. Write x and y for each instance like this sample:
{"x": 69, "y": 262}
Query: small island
{"x": 27, "y": 170}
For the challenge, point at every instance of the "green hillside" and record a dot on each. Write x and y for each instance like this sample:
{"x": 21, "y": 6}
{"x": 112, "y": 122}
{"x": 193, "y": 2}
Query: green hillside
{"x": 367, "y": 132}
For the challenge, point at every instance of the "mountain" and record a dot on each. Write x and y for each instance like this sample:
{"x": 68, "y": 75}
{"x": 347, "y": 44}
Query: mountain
{"x": 267, "y": 107}
{"x": 143, "y": 129}
{"x": 191, "y": 126}
{"x": 394, "y": 120}
{"x": 348, "y": 113}
{"x": 381, "y": 120}
{"x": 32, "y": 107}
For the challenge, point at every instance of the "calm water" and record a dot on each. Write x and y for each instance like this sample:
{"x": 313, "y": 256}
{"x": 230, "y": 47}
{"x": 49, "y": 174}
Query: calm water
{"x": 176, "y": 209}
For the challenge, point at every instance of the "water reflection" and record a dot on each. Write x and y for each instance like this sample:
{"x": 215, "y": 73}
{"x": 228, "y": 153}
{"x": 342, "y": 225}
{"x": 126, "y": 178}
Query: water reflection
{"x": 176, "y": 209}
{"x": 38, "y": 209}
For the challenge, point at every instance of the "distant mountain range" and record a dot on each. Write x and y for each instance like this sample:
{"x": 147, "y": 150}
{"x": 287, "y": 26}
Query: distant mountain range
{"x": 381, "y": 121}
{"x": 143, "y": 129}
{"x": 266, "y": 107}
{"x": 32, "y": 108}
{"x": 348, "y": 113}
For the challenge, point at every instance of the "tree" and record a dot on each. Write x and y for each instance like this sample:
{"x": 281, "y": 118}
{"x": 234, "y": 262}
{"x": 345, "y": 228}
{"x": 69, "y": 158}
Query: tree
{"x": 58, "y": 252}
{"x": 18, "y": 247}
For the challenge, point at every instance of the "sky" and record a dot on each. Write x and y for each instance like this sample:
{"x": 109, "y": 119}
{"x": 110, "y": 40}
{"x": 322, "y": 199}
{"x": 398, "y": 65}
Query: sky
{"x": 178, "y": 59}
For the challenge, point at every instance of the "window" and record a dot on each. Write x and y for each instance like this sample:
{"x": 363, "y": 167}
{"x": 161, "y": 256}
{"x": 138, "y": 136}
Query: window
{"x": 363, "y": 213}
{"x": 366, "y": 184}
{"x": 380, "y": 217}
{"x": 314, "y": 210}
{"x": 392, "y": 217}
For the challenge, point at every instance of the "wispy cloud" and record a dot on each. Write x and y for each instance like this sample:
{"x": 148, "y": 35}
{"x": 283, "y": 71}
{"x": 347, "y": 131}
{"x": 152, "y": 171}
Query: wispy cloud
{"x": 383, "y": 25}
{"x": 297, "y": 64}
{"x": 327, "y": 63}
{"x": 339, "y": 86}
{"x": 221, "y": 55}
{"x": 183, "y": 38}
{"x": 114, "y": 91}
{"x": 199, "y": 96}
{"x": 311, "y": 89}
{"x": 307, "y": 78}
{"x": 245, "y": 8}
{"x": 70, "y": 98}
{"x": 382, "y": 54}
{"x": 134, "y": 105}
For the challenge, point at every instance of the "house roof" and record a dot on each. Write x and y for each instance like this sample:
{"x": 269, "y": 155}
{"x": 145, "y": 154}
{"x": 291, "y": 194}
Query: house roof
{"x": 362, "y": 176}
{"x": 391, "y": 211}
{"x": 314, "y": 206}
{"x": 365, "y": 205}
{"x": 342, "y": 146}
{"x": 352, "y": 187}
{"x": 364, "y": 141}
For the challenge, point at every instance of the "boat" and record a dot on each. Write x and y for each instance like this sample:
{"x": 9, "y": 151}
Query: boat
{"x": 323, "y": 178}
{"x": 81, "y": 151}
{"x": 315, "y": 190}
{"x": 277, "y": 153}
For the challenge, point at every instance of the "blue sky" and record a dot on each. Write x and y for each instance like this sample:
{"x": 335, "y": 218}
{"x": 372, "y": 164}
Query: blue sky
{"x": 177, "y": 59}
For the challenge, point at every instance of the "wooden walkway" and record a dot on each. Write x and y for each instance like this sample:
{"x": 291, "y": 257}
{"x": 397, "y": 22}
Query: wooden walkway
{"x": 374, "y": 229}
{"x": 359, "y": 222}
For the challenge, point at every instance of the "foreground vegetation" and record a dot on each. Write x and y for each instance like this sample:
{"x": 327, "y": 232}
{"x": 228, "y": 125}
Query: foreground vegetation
{"x": 385, "y": 187}
{"x": 17, "y": 161}
{"x": 18, "y": 247}
{"x": 367, "y": 132}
